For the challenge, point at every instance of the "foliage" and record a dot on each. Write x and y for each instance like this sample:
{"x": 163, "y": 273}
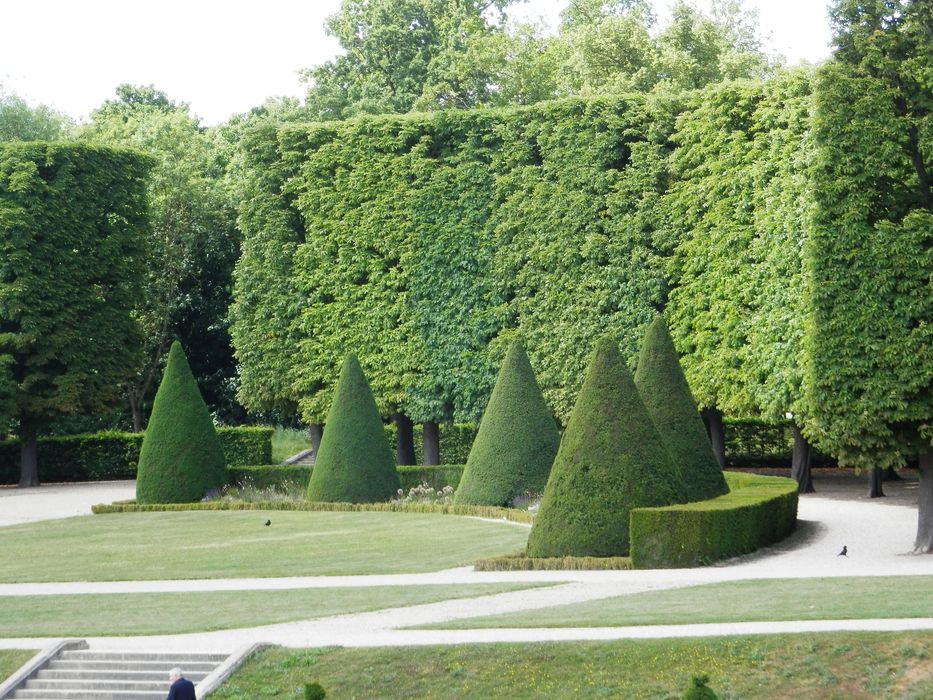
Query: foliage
{"x": 426, "y": 243}
{"x": 611, "y": 460}
{"x": 699, "y": 690}
{"x": 353, "y": 463}
{"x": 314, "y": 691}
{"x": 71, "y": 221}
{"x": 758, "y": 511}
{"x": 401, "y": 54}
{"x": 665, "y": 393}
{"x": 425, "y": 493}
{"x": 194, "y": 244}
{"x": 869, "y": 373}
{"x": 20, "y": 122}
{"x": 181, "y": 459}
{"x": 437, "y": 477}
{"x": 517, "y": 438}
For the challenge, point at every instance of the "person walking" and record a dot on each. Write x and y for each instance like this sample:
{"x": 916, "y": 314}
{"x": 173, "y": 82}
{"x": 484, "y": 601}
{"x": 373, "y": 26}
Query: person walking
{"x": 182, "y": 688}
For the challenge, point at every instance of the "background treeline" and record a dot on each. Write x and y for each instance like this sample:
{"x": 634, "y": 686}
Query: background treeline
{"x": 426, "y": 242}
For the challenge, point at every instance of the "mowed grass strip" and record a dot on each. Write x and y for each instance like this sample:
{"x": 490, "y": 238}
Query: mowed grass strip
{"x": 850, "y": 666}
{"x": 232, "y": 544}
{"x": 740, "y": 601}
{"x": 124, "y": 614}
{"x": 12, "y": 659}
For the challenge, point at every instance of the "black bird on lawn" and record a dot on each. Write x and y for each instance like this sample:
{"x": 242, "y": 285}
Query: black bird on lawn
{"x": 843, "y": 553}
{"x": 269, "y": 522}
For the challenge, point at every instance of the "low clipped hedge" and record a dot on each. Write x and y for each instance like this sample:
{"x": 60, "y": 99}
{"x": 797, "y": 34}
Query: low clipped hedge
{"x": 113, "y": 455}
{"x": 490, "y": 512}
{"x": 276, "y": 475}
{"x": 758, "y": 511}
{"x": 521, "y": 562}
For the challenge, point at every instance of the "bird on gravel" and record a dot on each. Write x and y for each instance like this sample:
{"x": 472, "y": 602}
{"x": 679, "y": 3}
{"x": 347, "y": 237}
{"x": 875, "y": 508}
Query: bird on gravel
{"x": 843, "y": 553}
{"x": 268, "y": 523}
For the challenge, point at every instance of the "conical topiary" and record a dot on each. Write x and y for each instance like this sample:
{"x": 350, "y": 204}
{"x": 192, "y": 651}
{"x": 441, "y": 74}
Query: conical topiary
{"x": 181, "y": 458}
{"x": 611, "y": 459}
{"x": 516, "y": 442}
{"x": 354, "y": 463}
{"x": 664, "y": 390}
{"x": 698, "y": 689}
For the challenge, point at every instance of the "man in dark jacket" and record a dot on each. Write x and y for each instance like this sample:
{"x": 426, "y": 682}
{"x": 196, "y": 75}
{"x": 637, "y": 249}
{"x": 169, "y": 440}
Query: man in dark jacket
{"x": 182, "y": 688}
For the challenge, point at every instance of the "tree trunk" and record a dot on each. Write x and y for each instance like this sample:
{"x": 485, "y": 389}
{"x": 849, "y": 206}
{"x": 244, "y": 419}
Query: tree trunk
{"x": 924, "y": 543}
{"x": 800, "y": 462}
{"x": 136, "y": 410}
{"x": 717, "y": 437}
{"x": 431, "y": 447}
{"x": 315, "y": 432}
{"x": 404, "y": 439}
{"x": 875, "y": 477}
{"x": 28, "y": 455}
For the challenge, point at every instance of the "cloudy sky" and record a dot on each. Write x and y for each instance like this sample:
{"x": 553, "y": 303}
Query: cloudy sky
{"x": 224, "y": 57}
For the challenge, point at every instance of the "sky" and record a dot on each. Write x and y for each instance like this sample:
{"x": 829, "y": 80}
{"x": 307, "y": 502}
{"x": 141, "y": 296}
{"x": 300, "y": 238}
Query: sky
{"x": 225, "y": 57}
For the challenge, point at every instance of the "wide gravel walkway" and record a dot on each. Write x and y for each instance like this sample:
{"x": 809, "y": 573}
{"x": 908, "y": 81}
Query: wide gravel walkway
{"x": 878, "y": 533}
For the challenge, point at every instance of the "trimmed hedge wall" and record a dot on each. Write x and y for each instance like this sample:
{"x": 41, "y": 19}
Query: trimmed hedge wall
{"x": 758, "y": 511}
{"x": 113, "y": 455}
{"x": 437, "y": 477}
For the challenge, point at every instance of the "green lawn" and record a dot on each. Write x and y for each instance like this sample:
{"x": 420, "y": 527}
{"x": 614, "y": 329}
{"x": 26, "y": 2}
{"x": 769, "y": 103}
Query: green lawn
{"x": 228, "y": 544}
{"x": 781, "y": 599}
{"x": 287, "y": 442}
{"x": 144, "y": 613}
{"x": 12, "y": 659}
{"x": 850, "y": 666}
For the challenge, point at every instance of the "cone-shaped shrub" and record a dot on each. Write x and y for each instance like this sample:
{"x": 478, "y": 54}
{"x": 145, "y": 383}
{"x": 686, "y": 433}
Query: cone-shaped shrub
{"x": 611, "y": 459}
{"x": 666, "y": 394}
{"x": 517, "y": 439}
{"x": 354, "y": 463}
{"x": 181, "y": 458}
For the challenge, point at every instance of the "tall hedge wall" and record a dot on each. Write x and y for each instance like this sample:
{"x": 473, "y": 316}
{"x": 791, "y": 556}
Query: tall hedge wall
{"x": 425, "y": 243}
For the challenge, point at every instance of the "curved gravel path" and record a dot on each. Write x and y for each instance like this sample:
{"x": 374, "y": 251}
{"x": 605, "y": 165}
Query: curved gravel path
{"x": 878, "y": 535}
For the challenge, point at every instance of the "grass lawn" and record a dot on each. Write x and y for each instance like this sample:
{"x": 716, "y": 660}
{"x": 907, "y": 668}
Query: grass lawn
{"x": 781, "y": 599}
{"x": 230, "y": 544}
{"x": 287, "y": 442}
{"x": 851, "y": 666}
{"x": 144, "y": 613}
{"x": 12, "y": 659}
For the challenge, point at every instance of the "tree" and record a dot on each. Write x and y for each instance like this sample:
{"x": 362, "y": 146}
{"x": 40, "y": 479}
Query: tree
{"x": 611, "y": 459}
{"x": 181, "y": 459}
{"x": 402, "y": 53}
{"x": 20, "y": 122}
{"x": 517, "y": 439}
{"x": 666, "y": 394}
{"x": 193, "y": 247}
{"x": 72, "y": 221}
{"x": 354, "y": 463}
{"x": 870, "y": 371}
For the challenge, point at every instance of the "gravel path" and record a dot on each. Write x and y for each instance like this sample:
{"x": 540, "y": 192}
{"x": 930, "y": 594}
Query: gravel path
{"x": 878, "y": 534}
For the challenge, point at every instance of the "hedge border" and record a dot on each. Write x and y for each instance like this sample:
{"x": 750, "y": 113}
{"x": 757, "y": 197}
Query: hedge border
{"x": 487, "y": 512}
{"x": 521, "y": 562}
{"x": 758, "y": 511}
{"x": 264, "y": 476}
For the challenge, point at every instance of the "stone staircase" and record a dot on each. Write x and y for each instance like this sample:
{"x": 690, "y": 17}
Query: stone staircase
{"x": 96, "y": 675}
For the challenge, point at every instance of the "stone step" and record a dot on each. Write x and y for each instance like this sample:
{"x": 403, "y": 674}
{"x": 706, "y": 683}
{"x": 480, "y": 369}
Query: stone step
{"x": 94, "y": 684}
{"x": 84, "y": 655}
{"x": 160, "y": 676}
{"x": 140, "y": 665}
{"x": 26, "y": 694}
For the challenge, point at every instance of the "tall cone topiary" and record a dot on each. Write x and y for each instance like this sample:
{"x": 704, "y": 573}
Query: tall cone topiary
{"x": 181, "y": 458}
{"x": 666, "y": 394}
{"x": 517, "y": 439}
{"x": 354, "y": 463}
{"x": 611, "y": 459}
